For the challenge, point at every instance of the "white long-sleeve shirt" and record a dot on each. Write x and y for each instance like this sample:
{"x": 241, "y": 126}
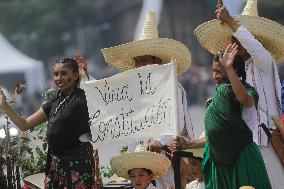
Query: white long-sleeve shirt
{"x": 262, "y": 74}
{"x": 195, "y": 185}
{"x": 151, "y": 186}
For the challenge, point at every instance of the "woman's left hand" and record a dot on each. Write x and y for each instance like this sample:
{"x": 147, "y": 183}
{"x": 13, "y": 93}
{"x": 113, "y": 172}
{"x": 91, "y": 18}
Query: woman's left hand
{"x": 2, "y": 99}
{"x": 83, "y": 68}
{"x": 229, "y": 55}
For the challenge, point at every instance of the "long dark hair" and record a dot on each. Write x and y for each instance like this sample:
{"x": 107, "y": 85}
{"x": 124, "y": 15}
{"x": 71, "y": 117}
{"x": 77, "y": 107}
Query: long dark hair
{"x": 238, "y": 65}
{"x": 71, "y": 64}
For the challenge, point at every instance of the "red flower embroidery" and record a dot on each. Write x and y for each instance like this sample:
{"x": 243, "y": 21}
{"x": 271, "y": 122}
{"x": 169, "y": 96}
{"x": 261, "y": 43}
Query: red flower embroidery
{"x": 81, "y": 185}
{"x": 46, "y": 182}
{"x": 26, "y": 186}
{"x": 75, "y": 176}
{"x": 53, "y": 165}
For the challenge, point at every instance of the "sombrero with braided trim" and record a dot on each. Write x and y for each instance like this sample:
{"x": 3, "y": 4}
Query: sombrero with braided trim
{"x": 215, "y": 36}
{"x": 36, "y": 180}
{"x": 157, "y": 163}
{"x": 198, "y": 153}
{"x": 149, "y": 43}
{"x": 246, "y": 187}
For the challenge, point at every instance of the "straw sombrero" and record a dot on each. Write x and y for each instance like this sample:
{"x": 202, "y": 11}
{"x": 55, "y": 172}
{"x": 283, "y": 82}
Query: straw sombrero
{"x": 196, "y": 152}
{"x": 149, "y": 43}
{"x": 215, "y": 36}
{"x": 157, "y": 163}
{"x": 36, "y": 180}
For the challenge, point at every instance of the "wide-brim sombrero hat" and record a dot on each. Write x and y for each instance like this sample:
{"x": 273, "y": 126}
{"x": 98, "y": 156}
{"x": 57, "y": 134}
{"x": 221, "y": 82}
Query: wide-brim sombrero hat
{"x": 246, "y": 187}
{"x": 198, "y": 153}
{"x": 215, "y": 36}
{"x": 36, "y": 180}
{"x": 157, "y": 163}
{"x": 149, "y": 43}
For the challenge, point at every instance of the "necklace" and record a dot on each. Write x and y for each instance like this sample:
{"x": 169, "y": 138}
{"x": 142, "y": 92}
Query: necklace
{"x": 61, "y": 103}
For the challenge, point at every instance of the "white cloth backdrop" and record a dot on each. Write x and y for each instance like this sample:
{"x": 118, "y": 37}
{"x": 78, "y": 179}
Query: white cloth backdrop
{"x": 14, "y": 61}
{"x": 134, "y": 105}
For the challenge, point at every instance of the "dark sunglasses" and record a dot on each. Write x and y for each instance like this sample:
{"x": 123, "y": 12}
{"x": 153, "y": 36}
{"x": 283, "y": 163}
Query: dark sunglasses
{"x": 66, "y": 60}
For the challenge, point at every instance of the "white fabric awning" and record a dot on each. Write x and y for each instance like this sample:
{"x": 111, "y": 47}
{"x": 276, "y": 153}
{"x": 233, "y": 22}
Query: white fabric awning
{"x": 14, "y": 61}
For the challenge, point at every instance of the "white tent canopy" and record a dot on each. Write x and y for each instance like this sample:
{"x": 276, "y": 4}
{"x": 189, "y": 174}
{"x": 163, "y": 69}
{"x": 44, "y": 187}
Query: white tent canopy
{"x": 14, "y": 61}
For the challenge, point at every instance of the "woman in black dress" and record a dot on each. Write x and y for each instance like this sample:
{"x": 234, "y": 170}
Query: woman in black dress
{"x": 70, "y": 155}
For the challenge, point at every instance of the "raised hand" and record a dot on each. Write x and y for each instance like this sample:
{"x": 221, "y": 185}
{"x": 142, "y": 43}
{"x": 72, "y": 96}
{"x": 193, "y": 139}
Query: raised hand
{"x": 222, "y": 14}
{"x": 228, "y": 57}
{"x": 219, "y": 4}
{"x": 20, "y": 87}
{"x": 83, "y": 68}
{"x": 2, "y": 98}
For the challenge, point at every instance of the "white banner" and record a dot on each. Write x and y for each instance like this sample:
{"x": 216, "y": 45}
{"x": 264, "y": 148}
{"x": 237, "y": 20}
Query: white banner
{"x": 134, "y": 105}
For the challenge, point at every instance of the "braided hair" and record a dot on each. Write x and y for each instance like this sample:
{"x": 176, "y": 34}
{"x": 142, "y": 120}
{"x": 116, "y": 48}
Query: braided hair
{"x": 71, "y": 64}
{"x": 238, "y": 65}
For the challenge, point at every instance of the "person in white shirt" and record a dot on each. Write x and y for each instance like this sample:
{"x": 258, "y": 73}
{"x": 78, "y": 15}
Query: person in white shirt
{"x": 151, "y": 49}
{"x": 261, "y": 45}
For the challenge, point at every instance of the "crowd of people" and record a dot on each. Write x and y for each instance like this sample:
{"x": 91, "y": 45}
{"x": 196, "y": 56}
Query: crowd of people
{"x": 235, "y": 151}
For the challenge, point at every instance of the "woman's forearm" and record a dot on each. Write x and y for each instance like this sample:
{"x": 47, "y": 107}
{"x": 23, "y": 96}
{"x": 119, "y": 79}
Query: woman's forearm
{"x": 195, "y": 144}
{"x": 22, "y": 123}
{"x": 233, "y": 24}
{"x": 238, "y": 88}
{"x": 19, "y": 121}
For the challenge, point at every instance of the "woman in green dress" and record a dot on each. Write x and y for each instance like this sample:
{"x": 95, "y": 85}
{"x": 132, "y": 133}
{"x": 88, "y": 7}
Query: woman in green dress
{"x": 231, "y": 158}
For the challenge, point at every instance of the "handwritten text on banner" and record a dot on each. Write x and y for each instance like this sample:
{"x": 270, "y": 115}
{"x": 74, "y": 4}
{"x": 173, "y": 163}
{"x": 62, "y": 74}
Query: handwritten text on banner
{"x": 134, "y": 105}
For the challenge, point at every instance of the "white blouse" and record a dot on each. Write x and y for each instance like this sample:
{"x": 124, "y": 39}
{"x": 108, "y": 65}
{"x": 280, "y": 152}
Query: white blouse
{"x": 151, "y": 186}
{"x": 195, "y": 185}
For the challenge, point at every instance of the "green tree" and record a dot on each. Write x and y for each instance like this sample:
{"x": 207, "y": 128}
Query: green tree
{"x": 44, "y": 29}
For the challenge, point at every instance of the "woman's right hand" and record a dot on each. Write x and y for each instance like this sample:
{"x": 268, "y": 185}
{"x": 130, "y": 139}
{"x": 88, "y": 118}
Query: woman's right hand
{"x": 178, "y": 143}
{"x": 2, "y": 99}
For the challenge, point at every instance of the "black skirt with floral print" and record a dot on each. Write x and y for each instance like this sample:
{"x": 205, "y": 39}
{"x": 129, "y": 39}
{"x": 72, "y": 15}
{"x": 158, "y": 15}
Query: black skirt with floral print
{"x": 73, "y": 170}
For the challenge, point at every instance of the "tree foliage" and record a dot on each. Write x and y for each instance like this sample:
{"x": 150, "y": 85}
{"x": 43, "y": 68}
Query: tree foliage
{"x": 43, "y": 29}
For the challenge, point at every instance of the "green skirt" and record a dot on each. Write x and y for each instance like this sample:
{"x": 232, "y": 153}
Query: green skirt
{"x": 248, "y": 170}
